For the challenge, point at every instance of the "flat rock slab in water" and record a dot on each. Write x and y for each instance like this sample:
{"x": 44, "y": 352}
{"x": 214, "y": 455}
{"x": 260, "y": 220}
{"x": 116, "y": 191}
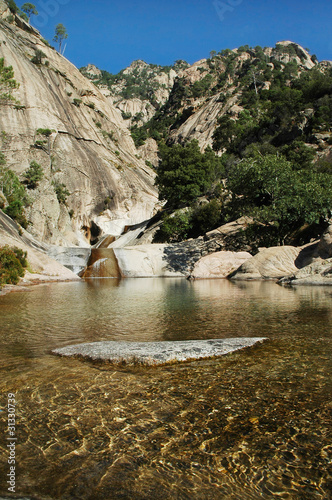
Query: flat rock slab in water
{"x": 156, "y": 353}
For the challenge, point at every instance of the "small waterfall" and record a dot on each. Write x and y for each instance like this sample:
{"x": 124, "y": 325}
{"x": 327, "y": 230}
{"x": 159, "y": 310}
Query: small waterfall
{"x": 102, "y": 264}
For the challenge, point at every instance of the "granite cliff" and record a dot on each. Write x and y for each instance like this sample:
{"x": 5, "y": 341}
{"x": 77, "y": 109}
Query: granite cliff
{"x": 97, "y": 138}
{"x": 64, "y": 122}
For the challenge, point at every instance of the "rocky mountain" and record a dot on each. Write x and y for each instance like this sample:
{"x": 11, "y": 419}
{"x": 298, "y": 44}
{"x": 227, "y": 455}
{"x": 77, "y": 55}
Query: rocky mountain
{"x": 93, "y": 179}
{"x": 196, "y": 97}
{"x": 89, "y": 146}
{"x": 139, "y": 90}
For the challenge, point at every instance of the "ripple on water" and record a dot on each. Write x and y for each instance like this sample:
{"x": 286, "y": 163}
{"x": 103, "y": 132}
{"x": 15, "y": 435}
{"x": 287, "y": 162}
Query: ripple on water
{"x": 255, "y": 424}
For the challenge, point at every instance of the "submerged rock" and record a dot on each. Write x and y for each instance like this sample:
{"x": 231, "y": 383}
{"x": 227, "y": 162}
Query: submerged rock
{"x": 156, "y": 353}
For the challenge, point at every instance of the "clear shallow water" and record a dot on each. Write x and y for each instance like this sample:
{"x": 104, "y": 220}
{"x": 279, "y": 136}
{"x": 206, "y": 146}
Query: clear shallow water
{"x": 254, "y": 424}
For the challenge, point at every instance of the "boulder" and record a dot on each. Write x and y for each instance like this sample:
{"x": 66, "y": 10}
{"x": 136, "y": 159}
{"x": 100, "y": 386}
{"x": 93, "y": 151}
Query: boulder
{"x": 162, "y": 260}
{"x": 317, "y": 273}
{"x": 219, "y": 264}
{"x": 269, "y": 263}
{"x": 144, "y": 261}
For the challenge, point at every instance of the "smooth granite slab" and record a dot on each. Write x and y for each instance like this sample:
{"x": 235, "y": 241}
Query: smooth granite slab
{"x": 156, "y": 353}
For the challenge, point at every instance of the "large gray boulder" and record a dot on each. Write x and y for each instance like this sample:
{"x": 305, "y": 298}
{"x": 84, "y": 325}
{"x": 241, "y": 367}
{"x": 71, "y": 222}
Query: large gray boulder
{"x": 219, "y": 264}
{"x": 269, "y": 263}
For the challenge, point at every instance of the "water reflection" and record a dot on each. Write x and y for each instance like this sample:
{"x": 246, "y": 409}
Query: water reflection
{"x": 51, "y": 316}
{"x": 251, "y": 425}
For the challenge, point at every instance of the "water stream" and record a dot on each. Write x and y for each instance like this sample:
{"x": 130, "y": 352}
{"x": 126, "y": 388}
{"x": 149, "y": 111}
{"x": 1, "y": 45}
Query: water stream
{"x": 252, "y": 425}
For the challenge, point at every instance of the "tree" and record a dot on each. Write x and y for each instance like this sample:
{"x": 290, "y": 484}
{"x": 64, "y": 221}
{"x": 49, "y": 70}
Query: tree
{"x": 185, "y": 173}
{"x": 38, "y": 57}
{"x": 12, "y": 264}
{"x": 30, "y": 10}
{"x": 33, "y": 175}
{"x": 7, "y": 83}
{"x": 14, "y": 193}
{"x": 268, "y": 189}
{"x": 60, "y": 35}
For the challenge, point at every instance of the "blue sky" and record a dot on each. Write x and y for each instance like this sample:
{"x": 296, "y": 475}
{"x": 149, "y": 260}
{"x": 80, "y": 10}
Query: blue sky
{"x": 112, "y": 34}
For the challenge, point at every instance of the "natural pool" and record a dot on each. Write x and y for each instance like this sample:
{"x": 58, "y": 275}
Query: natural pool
{"x": 252, "y": 425}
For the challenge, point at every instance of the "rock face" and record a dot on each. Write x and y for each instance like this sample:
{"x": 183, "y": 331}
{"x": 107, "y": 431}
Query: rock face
{"x": 269, "y": 263}
{"x": 89, "y": 149}
{"x": 147, "y": 261}
{"x": 76, "y": 259}
{"x": 219, "y": 264}
{"x": 317, "y": 273}
{"x": 156, "y": 353}
{"x": 317, "y": 268}
{"x": 44, "y": 267}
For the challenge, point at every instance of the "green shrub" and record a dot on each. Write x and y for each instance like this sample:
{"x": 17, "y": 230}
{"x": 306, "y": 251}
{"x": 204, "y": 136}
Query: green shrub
{"x": 12, "y": 264}
{"x": 126, "y": 116}
{"x": 61, "y": 192}
{"x": 38, "y": 57}
{"x": 175, "y": 227}
{"x": 206, "y": 217}
{"x": 47, "y": 43}
{"x": 77, "y": 102}
{"x": 12, "y": 6}
{"x": 44, "y": 131}
{"x": 7, "y": 83}
{"x": 14, "y": 193}
{"x": 33, "y": 175}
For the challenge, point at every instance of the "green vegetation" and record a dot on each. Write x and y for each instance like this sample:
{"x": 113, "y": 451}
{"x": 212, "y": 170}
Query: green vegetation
{"x": 126, "y": 116}
{"x": 12, "y": 6}
{"x": 30, "y": 10}
{"x": 184, "y": 173}
{"x": 190, "y": 222}
{"x": 14, "y": 9}
{"x": 141, "y": 82}
{"x": 12, "y": 264}
{"x": 77, "y": 102}
{"x": 47, "y": 43}
{"x": 61, "y": 192}
{"x": 277, "y": 195}
{"x": 7, "y": 83}
{"x": 60, "y": 35}
{"x": 33, "y": 175}
{"x": 14, "y": 197}
{"x": 47, "y": 132}
{"x": 38, "y": 57}
{"x": 269, "y": 169}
